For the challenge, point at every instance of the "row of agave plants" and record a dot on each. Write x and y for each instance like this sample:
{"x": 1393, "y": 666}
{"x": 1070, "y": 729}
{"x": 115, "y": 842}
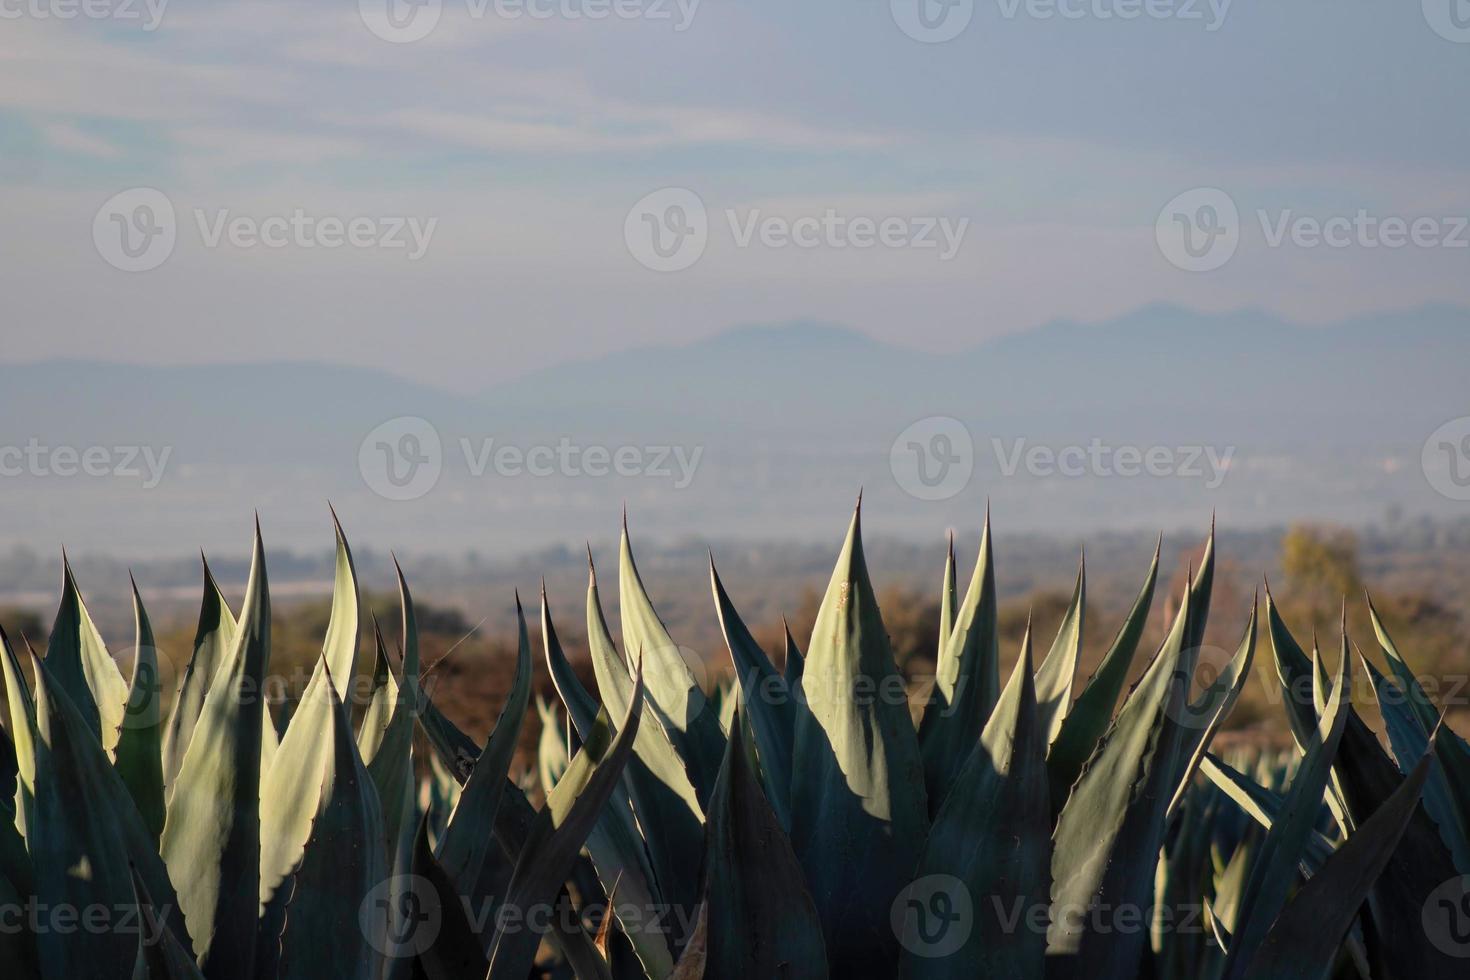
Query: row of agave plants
{"x": 802, "y": 825}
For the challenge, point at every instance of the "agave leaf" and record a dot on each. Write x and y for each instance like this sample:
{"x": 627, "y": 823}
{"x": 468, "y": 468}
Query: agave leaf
{"x": 1451, "y": 752}
{"x": 761, "y": 921}
{"x": 1090, "y": 716}
{"x": 79, "y": 661}
{"x": 991, "y": 835}
{"x": 966, "y": 680}
{"x": 326, "y": 933}
{"x": 211, "y": 836}
{"x": 160, "y": 954}
{"x": 1367, "y": 778}
{"x": 389, "y": 753}
{"x": 213, "y": 638}
{"x": 453, "y": 951}
{"x": 1205, "y": 716}
{"x": 22, "y": 730}
{"x": 140, "y": 743}
{"x": 556, "y": 836}
{"x": 794, "y": 664}
{"x": 86, "y": 839}
{"x": 1273, "y": 872}
{"x": 291, "y": 789}
{"x": 552, "y": 751}
{"x": 678, "y": 701}
{"x": 1410, "y": 742}
{"x": 771, "y": 713}
{"x": 457, "y": 750}
{"x": 858, "y": 810}
{"x": 1262, "y": 805}
{"x": 17, "y": 942}
{"x": 658, "y": 782}
{"x": 468, "y": 838}
{"x": 1055, "y": 676}
{"x": 623, "y": 861}
{"x": 1113, "y": 823}
{"x": 1304, "y": 940}
{"x": 948, "y": 598}
{"x": 383, "y": 699}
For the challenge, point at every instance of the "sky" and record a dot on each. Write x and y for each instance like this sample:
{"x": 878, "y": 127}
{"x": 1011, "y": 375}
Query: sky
{"x": 468, "y": 190}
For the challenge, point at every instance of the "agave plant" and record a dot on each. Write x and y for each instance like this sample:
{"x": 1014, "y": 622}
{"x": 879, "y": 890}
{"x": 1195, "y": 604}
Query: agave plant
{"x": 797, "y": 823}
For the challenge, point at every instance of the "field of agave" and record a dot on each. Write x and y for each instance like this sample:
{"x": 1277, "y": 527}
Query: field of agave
{"x": 799, "y": 824}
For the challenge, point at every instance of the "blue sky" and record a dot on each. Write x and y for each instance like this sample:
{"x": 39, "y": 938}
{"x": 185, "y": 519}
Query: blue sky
{"x": 1056, "y": 140}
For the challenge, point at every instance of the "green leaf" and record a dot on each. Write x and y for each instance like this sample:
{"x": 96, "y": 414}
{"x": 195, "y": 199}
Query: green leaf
{"x": 86, "y": 839}
{"x": 1410, "y": 742}
{"x": 1274, "y": 869}
{"x": 291, "y": 789}
{"x": 761, "y": 919}
{"x": 558, "y": 833}
{"x": 160, "y": 954}
{"x": 658, "y": 782}
{"x": 22, "y": 730}
{"x": 1090, "y": 716}
{"x": 211, "y": 837}
{"x": 618, "y": 851}
{"x": 140, "y": 743}
{"x": 1262, "y": 805}
{"x": 1304, "y": 940}
{"x": 467, "y": 840}
{"x": 453, "y": 951}
{"x": 768, "y": 700}
{"x": 990, "y": 842}
{"x": 213, "y": 638}
{"x": 966, "y": 680}
{"x": 1057, "y": 672}
{"x": 79, "y": 661}
{"x": 948, "y": 599}
{"x": 858, "y": 810}
{"x": 326, "y": 932}
{"x": 678, "y": 701}
{"x": 1113, "y": 823}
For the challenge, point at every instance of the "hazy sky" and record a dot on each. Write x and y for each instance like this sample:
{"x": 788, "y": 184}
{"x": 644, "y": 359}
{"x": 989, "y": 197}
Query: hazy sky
{"x": 1044, "y": 137}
